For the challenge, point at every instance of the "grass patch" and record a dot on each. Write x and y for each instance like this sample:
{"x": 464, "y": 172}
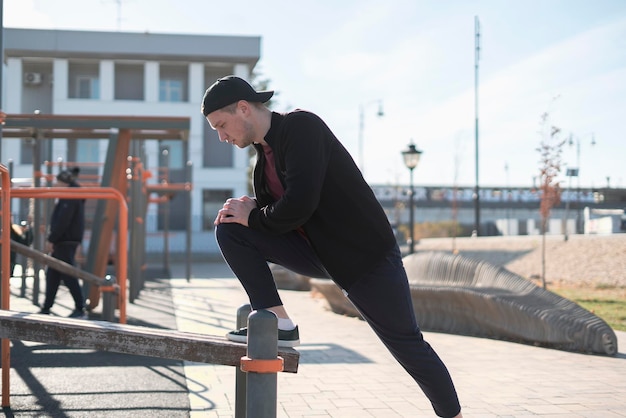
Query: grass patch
{"x": 609, "y": 303}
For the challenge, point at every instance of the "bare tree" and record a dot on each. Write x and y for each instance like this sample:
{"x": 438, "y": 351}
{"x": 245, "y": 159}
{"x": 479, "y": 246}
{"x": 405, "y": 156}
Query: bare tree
{"x": 550, "y": 148}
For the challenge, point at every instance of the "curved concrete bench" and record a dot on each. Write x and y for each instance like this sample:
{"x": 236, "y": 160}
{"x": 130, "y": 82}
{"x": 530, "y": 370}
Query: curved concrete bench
{"x": 288, "y": 280}
{"x": 463, "y": 296}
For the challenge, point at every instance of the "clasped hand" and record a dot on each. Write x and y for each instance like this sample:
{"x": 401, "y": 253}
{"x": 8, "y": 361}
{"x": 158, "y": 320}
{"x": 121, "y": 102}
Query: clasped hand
{"x": 236, "y": 211}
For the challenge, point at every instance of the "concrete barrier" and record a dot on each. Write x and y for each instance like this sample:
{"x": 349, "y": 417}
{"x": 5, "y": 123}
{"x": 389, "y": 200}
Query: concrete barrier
{"x": 459, "y": 295}
{"x": 463, "y": 296}
{"x": 288, "y": 280}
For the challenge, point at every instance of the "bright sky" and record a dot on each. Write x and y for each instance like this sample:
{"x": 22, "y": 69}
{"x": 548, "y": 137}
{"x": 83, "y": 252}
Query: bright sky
{"x": 332, "y": 57}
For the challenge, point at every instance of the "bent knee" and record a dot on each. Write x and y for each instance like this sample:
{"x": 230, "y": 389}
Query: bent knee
{"x": 227, "y": 231}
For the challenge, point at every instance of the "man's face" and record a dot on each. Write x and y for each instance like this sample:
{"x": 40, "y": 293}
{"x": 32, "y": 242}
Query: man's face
{"x": 233, "y": 128}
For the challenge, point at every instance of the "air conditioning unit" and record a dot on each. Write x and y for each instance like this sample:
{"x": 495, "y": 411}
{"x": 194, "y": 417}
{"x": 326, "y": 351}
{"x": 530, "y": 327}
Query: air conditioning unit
{"x": 32, "y": 78}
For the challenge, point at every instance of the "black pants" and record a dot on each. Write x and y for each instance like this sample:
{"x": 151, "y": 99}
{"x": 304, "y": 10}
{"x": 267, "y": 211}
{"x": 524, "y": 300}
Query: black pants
{"x": 382, "y": 297}
{"x": 64, "y": 252}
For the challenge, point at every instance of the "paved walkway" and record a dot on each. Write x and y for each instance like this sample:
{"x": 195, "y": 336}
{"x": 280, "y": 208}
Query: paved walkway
{"x": 346, "y": 372}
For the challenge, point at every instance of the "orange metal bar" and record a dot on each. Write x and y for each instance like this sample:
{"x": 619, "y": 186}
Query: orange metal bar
{"x": 101, "y": 243}
{"x": 5, "y": 239}
{"x": 262, "y": 366}
{"x": 71, "y": 164}
{"x": 92, "y": 193}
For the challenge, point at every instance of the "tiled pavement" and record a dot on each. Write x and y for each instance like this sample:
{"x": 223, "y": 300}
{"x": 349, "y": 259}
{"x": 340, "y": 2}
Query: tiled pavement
{"x": 346, "y": 372}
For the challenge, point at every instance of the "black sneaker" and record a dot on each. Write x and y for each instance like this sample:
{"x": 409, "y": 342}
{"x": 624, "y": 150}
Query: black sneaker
{"x": 285, "y": 338}
{"x": 78, "y": 314}
{"x": 44, "y": 311}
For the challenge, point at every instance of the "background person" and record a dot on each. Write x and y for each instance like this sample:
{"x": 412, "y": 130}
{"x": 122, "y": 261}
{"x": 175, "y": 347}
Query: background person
{"x": 23, "y": 234}
{"x": 67, "y": 226}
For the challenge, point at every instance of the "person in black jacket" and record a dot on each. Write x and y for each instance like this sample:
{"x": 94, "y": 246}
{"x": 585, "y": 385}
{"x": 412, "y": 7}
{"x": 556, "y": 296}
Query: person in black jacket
{"x": 22, "y": 234}
{"x": 314, "y": 214}
{"x": 67, "y": 226}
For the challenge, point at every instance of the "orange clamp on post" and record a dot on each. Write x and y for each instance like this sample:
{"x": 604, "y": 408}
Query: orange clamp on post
{"x": 262, "y": 366}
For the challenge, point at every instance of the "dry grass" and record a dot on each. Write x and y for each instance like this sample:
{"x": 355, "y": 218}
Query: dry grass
{"x": 607, "y": 303}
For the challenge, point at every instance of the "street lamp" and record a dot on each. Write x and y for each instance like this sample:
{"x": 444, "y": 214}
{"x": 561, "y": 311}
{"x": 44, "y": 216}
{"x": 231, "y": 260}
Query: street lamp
{"x": 574, "y": 139}
{"x": 571, "y": 172}
{"x": 380, "y": 113}
{"x": 411, "y": 157}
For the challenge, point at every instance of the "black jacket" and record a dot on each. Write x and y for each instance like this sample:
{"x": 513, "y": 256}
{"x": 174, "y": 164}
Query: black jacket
{"x": 67, "y": 223}
{"x": 325, "y": 194}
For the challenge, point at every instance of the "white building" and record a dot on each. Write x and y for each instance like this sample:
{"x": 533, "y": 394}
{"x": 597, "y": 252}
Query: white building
{"x": 132, "y": 74}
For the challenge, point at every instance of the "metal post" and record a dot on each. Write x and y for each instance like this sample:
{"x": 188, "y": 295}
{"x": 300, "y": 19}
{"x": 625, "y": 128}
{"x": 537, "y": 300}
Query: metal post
{"x": 241, "y": 377}
{"x": 23, "y": 261}
{"x": 24, "y": 264}
{"x": 361, "y": 123}
{"x": 411, "y": 157}
{"x": 569, "y": 197}
{"x": 143, "y": 200}
{"x": 262, "y": 345}
{"x": 411, "y": 216}
{"x": 477, "y": 188}
{"x": 39, "y": 241}
{"x": 579, "y": 229}
{"x": 188, "y": 177}
{"x": 137, "y": 210}
{"x": 5, "y": 300}
{"x": 361, "y": 130}
{"x": 1, "y": 66}
{"x": 165, "y": 163}
{"x": 109, "y": 301}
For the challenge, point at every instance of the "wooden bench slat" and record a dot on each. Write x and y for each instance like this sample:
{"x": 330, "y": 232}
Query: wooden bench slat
{"x": 57, "y": 264}
{"x": 129, "y": 339}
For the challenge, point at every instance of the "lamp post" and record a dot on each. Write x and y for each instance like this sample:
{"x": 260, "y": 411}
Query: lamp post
{"x": 571, "y": 172}
{"x": 380, "y": 113}
{"x": 411, "y": 157}
{"x": 573, "y": 139}
{"x": 476, "y": 187}
{"x": 508, "y": 199}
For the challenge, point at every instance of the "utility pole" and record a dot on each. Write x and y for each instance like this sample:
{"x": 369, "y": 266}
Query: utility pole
{"x": 119, "y": 15}
{"x": 477, "y": 188}
{"x": 380, "y": 113}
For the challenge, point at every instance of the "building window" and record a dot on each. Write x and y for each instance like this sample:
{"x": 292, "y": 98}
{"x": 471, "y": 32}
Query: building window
{"x": 175, "y": 154}
{"x": 173, "y": 82}
{"x": 84, "y": 80}
{"x": 87, "y": 153}
{"x": 170, "y": 91}
{"x": 214, "y": 153}
{"x": 87, "y": 88}
{"x": 27, "y": 151}
{"x": 212, "y": 202}
{"x": 129, "y": 82}
{"x": 88, "y": 150}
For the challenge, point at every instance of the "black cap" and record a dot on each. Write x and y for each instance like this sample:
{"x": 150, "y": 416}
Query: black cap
{"x": 231, "y": 89}
{"x": 68, "y": 176}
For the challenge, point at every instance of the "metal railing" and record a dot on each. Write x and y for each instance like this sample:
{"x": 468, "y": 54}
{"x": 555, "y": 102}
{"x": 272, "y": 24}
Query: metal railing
{"x": 93, "y": 193}
{"x": 257, "y": 363}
